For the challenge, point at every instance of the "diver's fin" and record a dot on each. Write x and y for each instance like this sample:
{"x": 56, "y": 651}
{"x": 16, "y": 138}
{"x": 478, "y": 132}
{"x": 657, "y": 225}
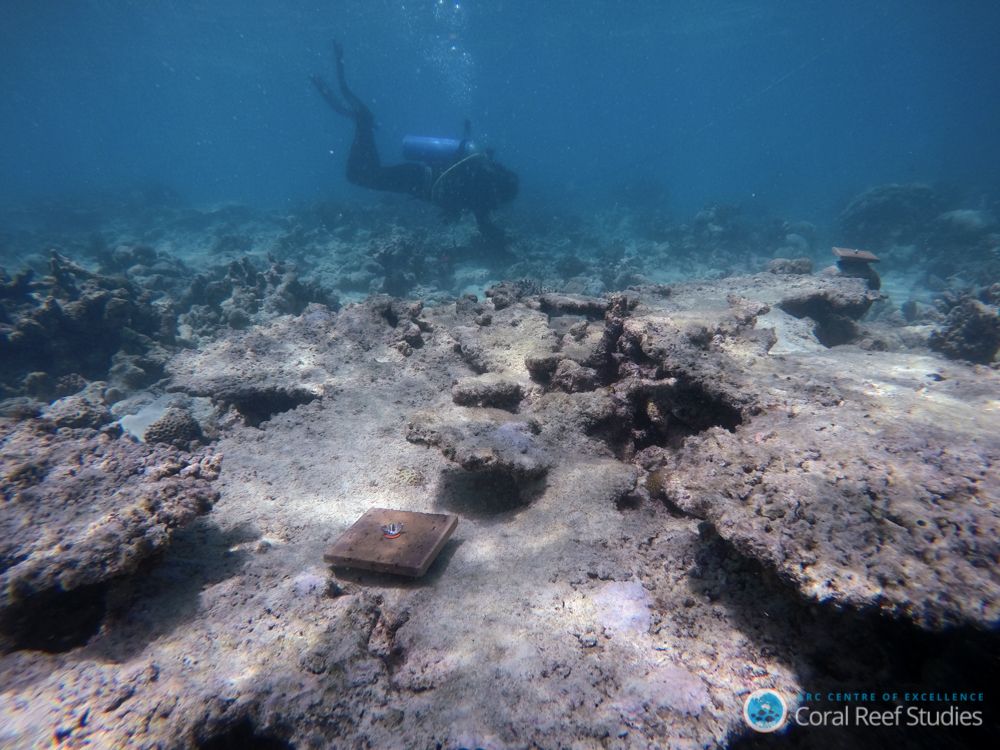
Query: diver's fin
{"x": 329, "y": 97}
{"x": 359, "y": 110}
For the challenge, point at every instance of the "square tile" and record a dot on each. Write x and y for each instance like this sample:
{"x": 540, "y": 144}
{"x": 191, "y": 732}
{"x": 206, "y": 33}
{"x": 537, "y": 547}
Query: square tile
{"x": 365, "y": 547}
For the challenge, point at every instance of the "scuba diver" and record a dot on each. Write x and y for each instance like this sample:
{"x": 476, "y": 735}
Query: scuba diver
{"x": 455, "y": 175}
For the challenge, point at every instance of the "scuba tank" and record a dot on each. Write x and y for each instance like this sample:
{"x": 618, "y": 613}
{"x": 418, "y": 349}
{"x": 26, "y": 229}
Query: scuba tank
{"x": 457, "y": 167}
{"x": 439, "y": 151}
{"x": 431, "y": 150}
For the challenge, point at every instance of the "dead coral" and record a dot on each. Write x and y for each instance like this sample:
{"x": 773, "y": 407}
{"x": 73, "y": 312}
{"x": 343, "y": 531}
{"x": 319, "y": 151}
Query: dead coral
{"x": 82, "y": 507}
{"x": 84, "y": 409}
{"x": 487, "y": 390}
{"x": 73, "y": 322}
{"x": 237, "y": 295}
{"x": 970, "y": 332}
{"x": 835, "y": 309}
{"x": 486, "y": 440}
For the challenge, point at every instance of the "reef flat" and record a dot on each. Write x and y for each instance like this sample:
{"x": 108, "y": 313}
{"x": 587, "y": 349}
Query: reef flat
{"x": 671, "y": 492}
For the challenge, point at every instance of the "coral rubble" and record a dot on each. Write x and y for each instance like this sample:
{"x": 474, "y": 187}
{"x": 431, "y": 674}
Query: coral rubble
{"x": 671, "y": 494}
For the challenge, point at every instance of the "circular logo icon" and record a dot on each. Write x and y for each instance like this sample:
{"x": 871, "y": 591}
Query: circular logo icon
{"x": 765, "y": 710}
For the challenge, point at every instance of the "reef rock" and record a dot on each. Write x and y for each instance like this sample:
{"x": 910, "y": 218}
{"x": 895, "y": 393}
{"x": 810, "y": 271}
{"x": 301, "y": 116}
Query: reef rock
{"x": 542, "y": 365}
{"x": 573, "y": 304}
{"x": 485, "y": 440}
{"x": 572, "y": 377}
{"x": 489, "y": 389}
{"x": 81, "y": 507}
{"x": 72, "y": 324}
{"x": 970, "y": 332}
{"x": 721, "y": 513}
{"x": 790, "y": 266}
{"x": 507, "y": 293}
{"x": 84, "y": 409}
{"x": 850, "y": 495}
{"x": 835, "y": 309}
{"x": 256, "y": 386}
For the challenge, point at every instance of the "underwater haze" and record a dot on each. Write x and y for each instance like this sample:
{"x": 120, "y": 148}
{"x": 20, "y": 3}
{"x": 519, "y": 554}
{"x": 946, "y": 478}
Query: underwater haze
{"x": 792, "y": 106}
{"x": 467, "y": 374}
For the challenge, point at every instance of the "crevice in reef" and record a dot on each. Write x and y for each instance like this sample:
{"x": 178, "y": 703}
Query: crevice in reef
{"x": 243, "y": 735}
{"x": 678, "y": 408}
{"x": 835, "y": 325}
{"x": 382, "y": 639}
{"x": 54, "y": 621}
{"x": 665, "y": 403}
{"x": 486, "y": 494}
{"x": 843, "y": 650}
{"x": 258, "y": 405}
{"x": 664, "y": 413}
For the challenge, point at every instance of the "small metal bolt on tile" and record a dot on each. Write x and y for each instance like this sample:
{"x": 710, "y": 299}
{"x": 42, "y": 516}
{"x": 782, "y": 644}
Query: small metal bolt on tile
{"x": 410, "y": 553}
{"x": 392, "y": 530}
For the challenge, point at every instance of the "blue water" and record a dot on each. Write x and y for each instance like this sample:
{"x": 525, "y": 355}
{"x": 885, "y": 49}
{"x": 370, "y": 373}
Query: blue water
{"x": 788, "y": 106}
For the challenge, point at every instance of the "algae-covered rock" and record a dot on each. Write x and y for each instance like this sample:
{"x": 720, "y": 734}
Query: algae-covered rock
{"x": 487, "y": 390}
{"x": 84, "y": 409}
{"x": 572, "y": 377}
{"x": 971, "y": 332}
{"x": 81, "y": 507}
{"x": 484, "y": 440}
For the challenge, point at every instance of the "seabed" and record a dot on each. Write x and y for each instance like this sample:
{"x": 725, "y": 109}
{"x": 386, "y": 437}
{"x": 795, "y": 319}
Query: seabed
{"x": 684, "y": 469}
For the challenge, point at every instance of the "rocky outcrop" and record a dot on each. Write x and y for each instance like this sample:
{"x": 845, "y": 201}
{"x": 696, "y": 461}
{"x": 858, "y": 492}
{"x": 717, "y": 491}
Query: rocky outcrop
{"x": 971, "y": 332}
{"x": 82, "y": 507}
{"x": 72, "y": 323}
{"x": 485, "y": 440}
{"x": 835, "y": 309}
{"x": 487, "y": 390}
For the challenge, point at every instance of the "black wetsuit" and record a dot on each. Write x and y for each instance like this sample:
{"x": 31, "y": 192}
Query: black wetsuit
{"x": 365, "y": 168}
{"x": 471, "y": 181}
